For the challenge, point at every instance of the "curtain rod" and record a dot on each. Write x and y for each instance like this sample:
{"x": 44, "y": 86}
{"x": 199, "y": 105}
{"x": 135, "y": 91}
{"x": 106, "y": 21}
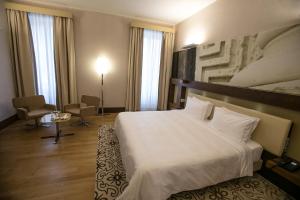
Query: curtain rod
{"x": 35, "y": 9}
{"x": 153, "y": 26}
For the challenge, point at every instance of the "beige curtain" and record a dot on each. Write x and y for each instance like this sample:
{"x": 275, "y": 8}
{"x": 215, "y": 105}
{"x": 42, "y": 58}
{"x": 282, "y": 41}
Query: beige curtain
{"x": 64, "y": 54}
{"x": 22, "y": 54}
{"x": 133, "y": 93}
{"x": 165, "y": 70}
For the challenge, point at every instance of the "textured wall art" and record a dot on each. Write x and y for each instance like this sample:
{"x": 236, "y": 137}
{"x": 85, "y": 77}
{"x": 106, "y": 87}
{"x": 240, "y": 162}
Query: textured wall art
{"x": 269, "y": 60}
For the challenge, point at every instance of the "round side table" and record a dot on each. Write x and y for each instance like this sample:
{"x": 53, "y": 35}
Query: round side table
{"x": 58, "y": 118}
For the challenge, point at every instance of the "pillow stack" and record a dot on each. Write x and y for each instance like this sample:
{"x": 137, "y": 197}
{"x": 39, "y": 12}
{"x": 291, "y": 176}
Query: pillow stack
{"x": 234, "y": 125}
{"x": 198, "y": 108}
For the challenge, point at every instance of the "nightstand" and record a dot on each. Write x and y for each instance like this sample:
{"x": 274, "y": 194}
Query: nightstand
{"x": 293, "y": 177}
{"x": 286, "y": 180}
{"x": 174, "y": 106}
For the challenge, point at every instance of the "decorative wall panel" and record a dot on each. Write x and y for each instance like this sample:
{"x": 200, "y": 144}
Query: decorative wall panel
{"x": 268, "y": 60}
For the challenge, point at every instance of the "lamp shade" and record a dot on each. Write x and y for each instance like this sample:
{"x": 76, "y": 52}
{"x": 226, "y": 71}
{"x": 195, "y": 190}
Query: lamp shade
{"x": 102, "y": 65}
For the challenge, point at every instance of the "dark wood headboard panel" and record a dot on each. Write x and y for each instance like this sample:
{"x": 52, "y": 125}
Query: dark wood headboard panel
{"x": 271, "y": 98}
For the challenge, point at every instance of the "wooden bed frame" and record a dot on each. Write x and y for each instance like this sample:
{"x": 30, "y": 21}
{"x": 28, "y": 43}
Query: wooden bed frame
{"x": 267, "y": 97}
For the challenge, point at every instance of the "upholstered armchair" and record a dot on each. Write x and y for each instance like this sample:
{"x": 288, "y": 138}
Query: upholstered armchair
{"x": 90, "y": 108}
{"x": 32, "y": 108}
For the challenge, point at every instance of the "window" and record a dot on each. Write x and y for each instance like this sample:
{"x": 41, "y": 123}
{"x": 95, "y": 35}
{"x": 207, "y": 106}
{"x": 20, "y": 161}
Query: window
{"x": 42, "y": 37}
{"x": 152, "y": 43}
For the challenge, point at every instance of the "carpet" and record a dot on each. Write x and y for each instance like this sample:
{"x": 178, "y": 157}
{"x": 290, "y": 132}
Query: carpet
{"x": 111, "y": 178}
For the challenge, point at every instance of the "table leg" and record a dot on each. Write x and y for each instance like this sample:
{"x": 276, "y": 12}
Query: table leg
{"x": 57, "y": 132}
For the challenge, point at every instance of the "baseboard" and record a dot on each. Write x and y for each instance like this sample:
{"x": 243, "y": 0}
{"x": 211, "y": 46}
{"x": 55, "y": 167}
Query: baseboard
{"x": 5, "y": 123}
{"x": 112, "y": 110}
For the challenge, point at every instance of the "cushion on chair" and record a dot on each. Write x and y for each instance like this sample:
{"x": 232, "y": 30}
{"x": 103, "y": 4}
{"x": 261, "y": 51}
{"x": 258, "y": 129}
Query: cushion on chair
{"x": 88, "y": 111}
{"x": 38, "y": 113}
{"x": 74, "y": 111}
{"x": 36, "y": 102}
{"x": 90, "y": 100}
{"x": 30, "y": 103}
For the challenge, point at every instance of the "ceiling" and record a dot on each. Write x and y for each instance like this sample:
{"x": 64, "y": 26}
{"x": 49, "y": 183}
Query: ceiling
{"x": 165, "y": 11}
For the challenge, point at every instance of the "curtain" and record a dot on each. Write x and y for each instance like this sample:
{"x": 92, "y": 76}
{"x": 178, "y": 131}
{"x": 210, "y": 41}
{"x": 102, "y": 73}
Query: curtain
{"x": 165, "y": 70}
{"x": 133, "y": 92}
{"x": 150, "y": 69}
{"x": 64, "y": 56}
{"x": 42, "y": 37}
{"x": 21, "y": 50}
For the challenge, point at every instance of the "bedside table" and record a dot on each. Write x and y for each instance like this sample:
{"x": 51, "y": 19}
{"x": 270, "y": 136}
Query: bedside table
{"x": 293, "y": 177}
{"x": 174, "y": 106}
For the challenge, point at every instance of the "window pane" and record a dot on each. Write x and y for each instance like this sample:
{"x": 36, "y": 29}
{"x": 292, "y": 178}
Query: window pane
{"x": 150, "y": 69}
{"x": 42, "y": 36}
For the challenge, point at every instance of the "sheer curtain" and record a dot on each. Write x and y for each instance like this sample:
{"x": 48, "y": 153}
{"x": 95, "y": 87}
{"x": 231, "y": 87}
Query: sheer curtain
{"x": 42, "y": 37}
{"x": 152, "y": 43}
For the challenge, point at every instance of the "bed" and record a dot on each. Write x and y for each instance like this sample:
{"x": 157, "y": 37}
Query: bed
{"x": 165, "y": 152}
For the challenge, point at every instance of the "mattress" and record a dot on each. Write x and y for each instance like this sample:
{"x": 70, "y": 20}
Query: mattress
{"x": 166, "y": 152}
{"x": 256, "y": 150}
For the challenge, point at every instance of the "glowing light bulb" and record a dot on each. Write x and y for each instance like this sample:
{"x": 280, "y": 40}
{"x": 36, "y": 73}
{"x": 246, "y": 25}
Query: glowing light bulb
{"x": 102, "y": 65}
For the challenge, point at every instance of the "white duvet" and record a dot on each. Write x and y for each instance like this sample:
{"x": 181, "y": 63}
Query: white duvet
{"x": 165, "y": 152}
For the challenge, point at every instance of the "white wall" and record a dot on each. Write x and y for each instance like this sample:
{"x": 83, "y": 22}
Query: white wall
{"x": 99, "y": 34}
{"x": 227, "y": 19}
{"x": 231, "y": 18}
{"x": 6, "y": 81}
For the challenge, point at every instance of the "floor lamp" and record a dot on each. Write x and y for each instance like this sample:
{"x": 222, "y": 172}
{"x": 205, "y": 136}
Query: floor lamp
{"x": 101, "y": 96}
{"x": 102, "y": 66}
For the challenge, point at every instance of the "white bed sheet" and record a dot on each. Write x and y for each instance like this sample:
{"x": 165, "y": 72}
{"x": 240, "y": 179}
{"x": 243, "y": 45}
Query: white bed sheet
{"x": 256, "y": 150}
{"x": 167, "y": 152}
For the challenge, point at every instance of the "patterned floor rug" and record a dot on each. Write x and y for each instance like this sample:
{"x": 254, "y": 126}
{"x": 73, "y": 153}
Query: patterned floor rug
{"x": 111, "y": 178}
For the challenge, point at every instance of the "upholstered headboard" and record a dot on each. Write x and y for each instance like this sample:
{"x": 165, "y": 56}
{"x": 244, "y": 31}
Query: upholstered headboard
{"x": 271, "y": 132}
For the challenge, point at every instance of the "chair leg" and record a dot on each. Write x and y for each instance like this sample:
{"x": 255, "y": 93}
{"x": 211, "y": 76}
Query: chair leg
{"x": 30, "y": 125}
{"x": 36, "y": 123}
{"x": 83, "y": 122}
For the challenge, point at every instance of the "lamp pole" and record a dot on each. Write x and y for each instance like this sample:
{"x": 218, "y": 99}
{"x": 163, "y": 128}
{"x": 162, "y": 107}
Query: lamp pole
{"x": 102, "y": 65}
{"x": 102, "y": 101}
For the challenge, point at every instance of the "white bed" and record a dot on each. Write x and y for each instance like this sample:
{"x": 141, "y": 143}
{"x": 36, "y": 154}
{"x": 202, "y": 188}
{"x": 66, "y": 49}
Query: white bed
{"x": 167, "y": 152}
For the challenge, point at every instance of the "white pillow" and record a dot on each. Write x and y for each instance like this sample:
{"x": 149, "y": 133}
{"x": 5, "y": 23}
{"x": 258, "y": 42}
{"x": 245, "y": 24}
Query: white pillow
{"x": 198, "y": 108}
{"x": 235, "y": 125}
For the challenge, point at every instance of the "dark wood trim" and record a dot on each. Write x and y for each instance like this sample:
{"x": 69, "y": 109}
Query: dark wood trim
{"x": 281, "y": 182}
{"x": 112, "y": 110}
{"x": 5, "y": 123}
{"x": 180, "y": 93}
{"x": 267, "y": 97}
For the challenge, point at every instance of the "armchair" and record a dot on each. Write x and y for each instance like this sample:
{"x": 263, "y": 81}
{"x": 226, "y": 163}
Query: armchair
{"x": 32, "y": 108}
{"x": 91, "y": 108}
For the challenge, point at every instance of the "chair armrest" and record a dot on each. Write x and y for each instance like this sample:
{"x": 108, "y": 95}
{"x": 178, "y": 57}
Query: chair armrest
{"x": 22, "y": 113}
{"x": 89, "y": 110}
{"x": 50, "y": 106}
{"x": 70, "y": 106}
